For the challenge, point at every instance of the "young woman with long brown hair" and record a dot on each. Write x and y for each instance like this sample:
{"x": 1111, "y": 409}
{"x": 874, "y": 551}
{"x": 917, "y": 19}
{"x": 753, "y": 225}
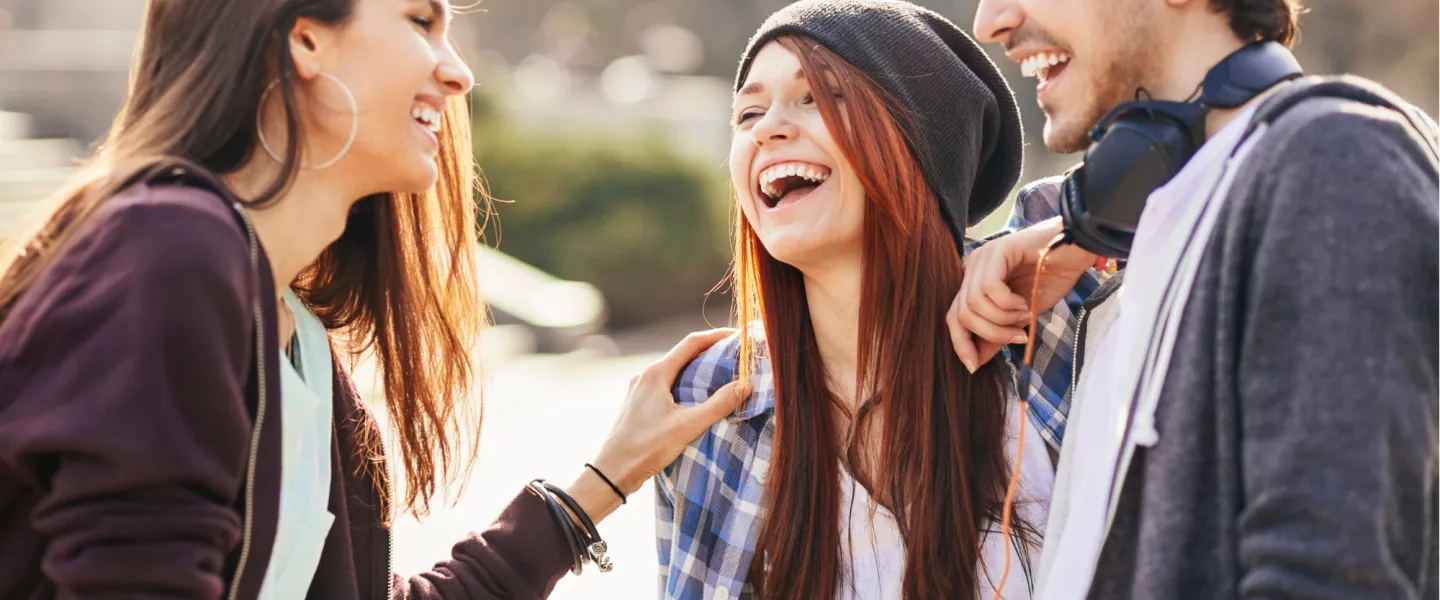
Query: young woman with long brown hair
{"x": 287, "y": 186}
{"x": 870, "y": 462}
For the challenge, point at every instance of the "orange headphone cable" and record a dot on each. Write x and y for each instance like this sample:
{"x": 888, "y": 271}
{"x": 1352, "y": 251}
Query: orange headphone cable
{"x": 1009, "y": 504}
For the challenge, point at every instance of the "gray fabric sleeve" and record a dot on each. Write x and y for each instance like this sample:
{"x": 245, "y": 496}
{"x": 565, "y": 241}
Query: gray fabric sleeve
{"x": 1338, "y": 362}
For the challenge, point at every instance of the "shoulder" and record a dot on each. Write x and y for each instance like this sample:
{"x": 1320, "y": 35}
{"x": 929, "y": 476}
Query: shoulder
{"x": 189, "y": 218}
{"x": 152, "y": 247}
{"x": 720, "y": 364}
{"x": 1330, "y": 160}
{"x": 163, "y": 231}
{"x": 1036, "y": 201}
{"x": 1326, "y": 137}
{"x": 715, "y": 367}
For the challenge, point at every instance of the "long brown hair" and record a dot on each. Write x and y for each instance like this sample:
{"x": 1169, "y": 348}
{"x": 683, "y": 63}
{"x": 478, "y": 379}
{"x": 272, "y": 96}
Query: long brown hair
{"x": 941, "y": 458}
{"x": 399, "y": 282}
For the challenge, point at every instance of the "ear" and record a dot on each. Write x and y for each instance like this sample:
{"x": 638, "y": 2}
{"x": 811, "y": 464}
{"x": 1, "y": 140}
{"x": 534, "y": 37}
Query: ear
{"x": 311, "y": 42}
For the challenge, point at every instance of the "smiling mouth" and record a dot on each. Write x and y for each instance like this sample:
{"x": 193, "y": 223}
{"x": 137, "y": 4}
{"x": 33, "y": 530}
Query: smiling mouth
{"x": 1044, "y": 65}
{"x": 792, "y": 180}
{"x": 426, "y": 116}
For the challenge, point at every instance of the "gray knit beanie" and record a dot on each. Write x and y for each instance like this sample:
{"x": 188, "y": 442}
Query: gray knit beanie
{"x": 969, "y": 141}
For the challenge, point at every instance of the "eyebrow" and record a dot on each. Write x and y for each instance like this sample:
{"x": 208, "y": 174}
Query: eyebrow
{"x": 755, "y": 87}
{"x": 438, "y": 8}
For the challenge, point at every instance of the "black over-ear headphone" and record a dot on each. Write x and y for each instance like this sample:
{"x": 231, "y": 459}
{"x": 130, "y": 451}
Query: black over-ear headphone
{"x": 1141, "y": 145}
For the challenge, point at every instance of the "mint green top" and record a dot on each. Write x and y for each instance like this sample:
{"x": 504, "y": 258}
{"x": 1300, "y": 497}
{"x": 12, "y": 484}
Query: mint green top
{"x": 306, "y": 409}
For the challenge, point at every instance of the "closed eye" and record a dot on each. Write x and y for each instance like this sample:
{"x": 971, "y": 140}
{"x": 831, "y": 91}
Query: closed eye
{"x": 424, "y": 22}
{"x": 747, "y": 116}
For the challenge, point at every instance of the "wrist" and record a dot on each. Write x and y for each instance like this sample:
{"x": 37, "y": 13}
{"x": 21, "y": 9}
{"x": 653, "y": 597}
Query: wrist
{"x": 625, "y": 475}
{"x": 593, "y": 495}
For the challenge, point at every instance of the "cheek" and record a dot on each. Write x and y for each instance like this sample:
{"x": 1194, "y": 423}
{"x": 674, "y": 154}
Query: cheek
{"x": 742, "y": 153}
{"x": 852, "y": 200}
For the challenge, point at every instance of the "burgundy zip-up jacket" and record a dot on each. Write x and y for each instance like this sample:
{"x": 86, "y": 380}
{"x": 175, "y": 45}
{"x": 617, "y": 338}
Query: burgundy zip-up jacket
{"x": 140, "y": 436}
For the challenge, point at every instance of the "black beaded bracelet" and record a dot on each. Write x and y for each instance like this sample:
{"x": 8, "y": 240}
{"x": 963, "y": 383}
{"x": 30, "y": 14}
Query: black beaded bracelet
{"x": 607, "y": 482}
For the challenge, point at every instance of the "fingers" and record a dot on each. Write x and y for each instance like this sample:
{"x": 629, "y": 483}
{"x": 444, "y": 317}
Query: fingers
{"x": 976, "y": 313}
{"x": 960, "y": 338}
{"x": 986, "y": 308}
{"x": 987, "y": 350}
{"x": 719, "y": 405}
{"x": 670, "y": 365}
{"x": 997, "y": 294}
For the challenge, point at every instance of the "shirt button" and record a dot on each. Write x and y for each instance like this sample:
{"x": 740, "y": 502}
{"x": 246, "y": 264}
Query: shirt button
{"x": 722, "y": 594}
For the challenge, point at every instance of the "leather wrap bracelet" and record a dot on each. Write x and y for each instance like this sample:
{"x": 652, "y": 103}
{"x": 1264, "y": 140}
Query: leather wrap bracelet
{"x": 582, "y": 538}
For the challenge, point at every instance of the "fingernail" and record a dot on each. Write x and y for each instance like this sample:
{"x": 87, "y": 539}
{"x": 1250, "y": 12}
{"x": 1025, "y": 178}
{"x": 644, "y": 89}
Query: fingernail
{"x": 1020, "y": 339}
{"x": 969, "y": 366}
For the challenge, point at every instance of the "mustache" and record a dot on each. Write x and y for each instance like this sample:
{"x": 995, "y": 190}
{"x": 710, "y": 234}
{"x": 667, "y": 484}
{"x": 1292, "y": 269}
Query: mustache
{"x": 1028, "y": 35}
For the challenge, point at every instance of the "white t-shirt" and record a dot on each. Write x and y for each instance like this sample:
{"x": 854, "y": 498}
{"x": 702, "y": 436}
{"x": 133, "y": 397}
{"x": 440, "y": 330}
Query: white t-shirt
{"x": 873, "y": 554}
{"x": 1097, "y": 434}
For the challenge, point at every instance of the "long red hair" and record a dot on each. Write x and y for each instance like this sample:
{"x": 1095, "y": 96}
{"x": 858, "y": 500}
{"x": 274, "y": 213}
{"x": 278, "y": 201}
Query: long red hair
{"x": 941, "y": 460}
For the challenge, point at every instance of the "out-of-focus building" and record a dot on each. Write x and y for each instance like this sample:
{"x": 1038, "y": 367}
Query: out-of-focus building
{"x": 64, "y": 62}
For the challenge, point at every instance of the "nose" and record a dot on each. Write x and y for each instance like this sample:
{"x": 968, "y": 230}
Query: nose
{"x": 454, "y": 75}
{"x": 995, "y": 20}
{"x": 773, "y": 127}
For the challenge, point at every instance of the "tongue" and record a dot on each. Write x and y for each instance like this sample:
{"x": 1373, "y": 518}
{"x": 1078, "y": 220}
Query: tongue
{"x": 796, "y": 195}
{"x": 1054, "y": 71}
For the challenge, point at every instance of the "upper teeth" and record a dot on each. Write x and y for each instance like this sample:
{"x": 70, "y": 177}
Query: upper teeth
{"x": 427, "y": 116}
{"x": 1031, "y": 67}
{"x": 769, "y": 176}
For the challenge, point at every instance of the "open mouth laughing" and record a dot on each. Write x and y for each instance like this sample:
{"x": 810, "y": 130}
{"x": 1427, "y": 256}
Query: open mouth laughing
{"x": 1044, "y": 65}
{"x": 789, "y": 182}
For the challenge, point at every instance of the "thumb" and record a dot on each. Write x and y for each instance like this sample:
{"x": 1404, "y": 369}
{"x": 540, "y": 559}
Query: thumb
{"x": 720, "y": 404}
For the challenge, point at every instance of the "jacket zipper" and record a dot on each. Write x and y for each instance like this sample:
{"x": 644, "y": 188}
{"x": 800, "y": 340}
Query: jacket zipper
{"x": 259, "y": 412}
{"x": 389, "y": 531}
{"x": 1079, "y": 355}
{"x": 1098, "y": 297}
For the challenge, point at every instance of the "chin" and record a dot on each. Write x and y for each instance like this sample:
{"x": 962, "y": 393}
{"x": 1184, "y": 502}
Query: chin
{"x": 800, "y": 249}
{"x": 418, "y": 179}
{"x": 1065, "y": 136}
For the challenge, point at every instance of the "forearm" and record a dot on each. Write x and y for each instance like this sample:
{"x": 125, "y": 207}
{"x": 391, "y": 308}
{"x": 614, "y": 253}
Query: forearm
{"x": 521, "y": 556}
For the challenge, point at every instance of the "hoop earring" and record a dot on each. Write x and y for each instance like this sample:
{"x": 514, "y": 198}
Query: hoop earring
{"x": 354, "y": 124}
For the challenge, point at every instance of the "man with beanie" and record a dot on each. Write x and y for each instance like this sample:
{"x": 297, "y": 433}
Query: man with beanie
{"x": 1256, "y": 406}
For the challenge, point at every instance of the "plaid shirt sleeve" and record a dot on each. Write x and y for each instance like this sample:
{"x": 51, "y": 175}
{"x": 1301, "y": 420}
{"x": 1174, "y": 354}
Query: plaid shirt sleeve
{"x": 708, "y": 500}
{"x": 1048, "y": 394}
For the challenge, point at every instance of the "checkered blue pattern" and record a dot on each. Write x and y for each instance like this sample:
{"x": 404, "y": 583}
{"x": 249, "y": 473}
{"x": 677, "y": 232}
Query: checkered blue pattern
{"x": 1049, "y": 394}
{"x": 708, "y": 505}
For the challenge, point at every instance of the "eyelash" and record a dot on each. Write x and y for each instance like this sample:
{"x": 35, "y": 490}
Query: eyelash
{"x": 423, "y": 22}
{"x": 808, "y": 99}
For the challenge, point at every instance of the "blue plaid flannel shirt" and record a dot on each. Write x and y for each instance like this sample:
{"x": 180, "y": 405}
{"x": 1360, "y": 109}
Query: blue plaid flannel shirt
{"x": 708, "y": 506}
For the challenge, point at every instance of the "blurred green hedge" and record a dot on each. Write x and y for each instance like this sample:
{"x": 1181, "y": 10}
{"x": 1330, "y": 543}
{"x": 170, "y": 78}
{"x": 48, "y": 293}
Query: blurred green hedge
{"x": 644, "y": 224}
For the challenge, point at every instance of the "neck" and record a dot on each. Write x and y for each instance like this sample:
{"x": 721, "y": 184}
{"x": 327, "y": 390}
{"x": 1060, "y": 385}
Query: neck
{"x": 301, "y": 222}
{"x": 1191, "y": 53}
{"x": 833, "y": 297}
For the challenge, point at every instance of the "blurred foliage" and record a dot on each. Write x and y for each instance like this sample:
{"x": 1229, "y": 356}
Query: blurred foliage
{"x": 1394, "y": 42}
{"x": 627, "y": 214}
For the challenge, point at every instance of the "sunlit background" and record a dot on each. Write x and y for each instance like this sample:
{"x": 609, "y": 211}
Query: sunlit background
{"x": 602, "y": 127}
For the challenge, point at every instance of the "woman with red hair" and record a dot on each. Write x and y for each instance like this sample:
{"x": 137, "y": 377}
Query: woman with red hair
{"x": 869, "y": 461}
